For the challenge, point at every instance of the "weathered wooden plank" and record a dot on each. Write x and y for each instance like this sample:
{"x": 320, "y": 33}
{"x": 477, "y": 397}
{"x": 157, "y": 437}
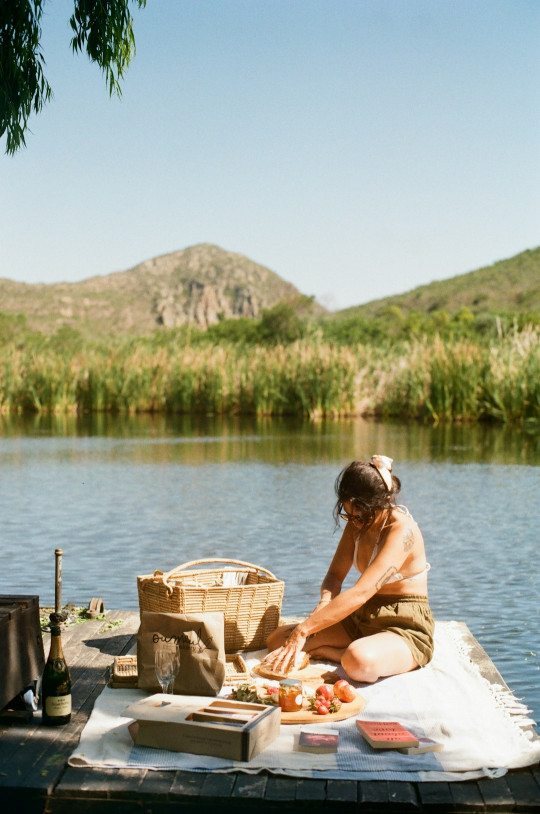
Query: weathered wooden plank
{"x": 119, "y": 783}
{"x": 12, "y": 737}
{"x": 310, "y": 789}
{"x": 402, "y": 795}
{"x": 467, "y": 796}
{"x": 22, "y": 755}
{"x": 341, "y": 791}
{"x": 280, "y": 788}
{"x": 73, "y": 633}
{"x": 98, "y": 783}
{"x": 436, "y": 794}
{"x": 45, "y": 749}
{"x": 218, "y": 785}
{"x": 372, "y": 792}
{"x": 524, "y": 789}
{"x": 156, "y": 785}
{"x": 252, "y": 786}
{"x": 186, "y": 784}
{"x": 496, "y": 792}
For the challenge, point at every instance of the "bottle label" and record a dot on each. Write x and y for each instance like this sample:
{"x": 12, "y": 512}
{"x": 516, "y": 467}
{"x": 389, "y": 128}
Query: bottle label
{"x": 58, "y": 705}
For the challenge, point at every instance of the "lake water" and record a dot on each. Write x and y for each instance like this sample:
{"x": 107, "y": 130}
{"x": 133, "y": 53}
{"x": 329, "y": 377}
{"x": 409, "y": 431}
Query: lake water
{"x": 124, "y": 496}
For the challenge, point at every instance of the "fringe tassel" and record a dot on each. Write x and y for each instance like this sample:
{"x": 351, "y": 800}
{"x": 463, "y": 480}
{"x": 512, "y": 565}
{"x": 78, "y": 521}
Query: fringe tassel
{"x": 511, "y": 707}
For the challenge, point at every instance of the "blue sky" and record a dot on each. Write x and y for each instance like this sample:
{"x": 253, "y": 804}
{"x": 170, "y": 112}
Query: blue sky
{"x": 358, "y": 148}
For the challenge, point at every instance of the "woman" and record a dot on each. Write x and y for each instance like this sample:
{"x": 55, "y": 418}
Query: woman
{"x": 382, "y": 625}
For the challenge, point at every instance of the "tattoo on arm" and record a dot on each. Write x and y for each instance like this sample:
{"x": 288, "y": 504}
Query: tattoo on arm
{"x": 388, "y": 574}
{"x": 408, "y": 539}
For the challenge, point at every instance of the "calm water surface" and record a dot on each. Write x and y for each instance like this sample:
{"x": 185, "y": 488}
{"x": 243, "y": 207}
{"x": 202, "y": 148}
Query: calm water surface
{"x": 125, "y": 496}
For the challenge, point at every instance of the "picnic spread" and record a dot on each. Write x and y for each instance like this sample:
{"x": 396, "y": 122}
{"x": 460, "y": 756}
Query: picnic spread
{"x": 240, "y": 720}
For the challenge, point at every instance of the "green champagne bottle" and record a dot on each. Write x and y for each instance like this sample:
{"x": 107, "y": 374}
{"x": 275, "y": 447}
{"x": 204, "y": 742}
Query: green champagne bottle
{"x": 56, "y": 682}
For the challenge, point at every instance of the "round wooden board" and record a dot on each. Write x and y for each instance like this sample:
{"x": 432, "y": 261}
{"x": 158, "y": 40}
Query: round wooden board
{"x": 307, "y": 716}
{"x": 311, "y": 675}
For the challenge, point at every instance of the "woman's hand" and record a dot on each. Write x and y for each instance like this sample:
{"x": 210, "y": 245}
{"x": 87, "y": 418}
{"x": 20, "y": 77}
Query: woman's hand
{"x": 288, "y": 656}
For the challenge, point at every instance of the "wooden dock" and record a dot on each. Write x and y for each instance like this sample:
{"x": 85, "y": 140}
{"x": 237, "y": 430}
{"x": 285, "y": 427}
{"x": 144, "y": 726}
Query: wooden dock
{"x": 35, "y": 777}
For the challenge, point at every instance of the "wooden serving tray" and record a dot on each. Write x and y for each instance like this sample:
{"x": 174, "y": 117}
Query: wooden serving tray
{"x": 311, "y": 675}
{"x": 308, "y": 716}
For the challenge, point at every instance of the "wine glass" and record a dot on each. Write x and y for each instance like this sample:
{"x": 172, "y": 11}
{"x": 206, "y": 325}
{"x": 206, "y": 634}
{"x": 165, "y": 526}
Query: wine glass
{"x": 174, "y": 667}
{"x": 167, "y": 663}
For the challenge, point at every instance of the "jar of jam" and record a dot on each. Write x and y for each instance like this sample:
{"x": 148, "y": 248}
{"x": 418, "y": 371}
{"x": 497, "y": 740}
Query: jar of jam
{"x": 290, "y": 695}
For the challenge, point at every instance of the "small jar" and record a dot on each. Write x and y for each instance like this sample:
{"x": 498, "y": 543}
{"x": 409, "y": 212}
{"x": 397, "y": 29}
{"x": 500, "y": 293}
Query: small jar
{"x": 290, "y": 695}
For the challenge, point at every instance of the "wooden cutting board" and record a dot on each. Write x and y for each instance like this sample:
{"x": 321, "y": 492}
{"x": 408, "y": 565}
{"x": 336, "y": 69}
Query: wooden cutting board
{"x": 307, "y": 716}
{"x": 311, "y": 675}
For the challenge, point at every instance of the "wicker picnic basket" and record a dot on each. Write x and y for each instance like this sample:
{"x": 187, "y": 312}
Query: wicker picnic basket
{"x": 249, "y": 597}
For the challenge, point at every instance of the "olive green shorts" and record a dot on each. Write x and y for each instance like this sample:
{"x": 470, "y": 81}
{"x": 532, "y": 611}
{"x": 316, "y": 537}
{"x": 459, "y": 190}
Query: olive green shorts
{"x": 408, "y": 616}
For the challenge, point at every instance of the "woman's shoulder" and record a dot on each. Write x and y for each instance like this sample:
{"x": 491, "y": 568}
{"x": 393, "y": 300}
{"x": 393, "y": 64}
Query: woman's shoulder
{"x": 403, "y": 521}
{"x": 400, "y": 516}
{"x": 403, "y": 510}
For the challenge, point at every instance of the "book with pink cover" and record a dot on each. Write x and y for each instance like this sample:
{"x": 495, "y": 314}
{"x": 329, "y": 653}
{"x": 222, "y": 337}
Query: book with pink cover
{"x": 386, "y": 734}
{"x": 318, "y": 739}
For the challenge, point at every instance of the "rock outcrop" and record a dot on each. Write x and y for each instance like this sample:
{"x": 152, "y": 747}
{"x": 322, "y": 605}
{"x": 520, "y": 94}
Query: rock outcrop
{"x": 200, "y": 285}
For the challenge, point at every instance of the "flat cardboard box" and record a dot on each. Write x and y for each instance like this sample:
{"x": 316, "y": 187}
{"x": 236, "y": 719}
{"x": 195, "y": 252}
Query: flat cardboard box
{"x": 204, "y": 726}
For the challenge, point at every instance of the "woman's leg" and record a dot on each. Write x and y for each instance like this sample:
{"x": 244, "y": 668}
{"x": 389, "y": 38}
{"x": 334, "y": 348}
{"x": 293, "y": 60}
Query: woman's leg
{"x": 376, "y": 656}
{"x": 366, "y": 659}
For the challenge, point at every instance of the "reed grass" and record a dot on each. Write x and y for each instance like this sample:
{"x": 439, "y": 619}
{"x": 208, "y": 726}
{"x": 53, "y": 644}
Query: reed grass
{"x": 426, "y": 379}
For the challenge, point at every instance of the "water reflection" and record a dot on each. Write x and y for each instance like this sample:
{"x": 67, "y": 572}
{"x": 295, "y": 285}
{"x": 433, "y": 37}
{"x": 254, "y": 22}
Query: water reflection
{"x": 125, "y": 495}
{"x": 200, "y": 439}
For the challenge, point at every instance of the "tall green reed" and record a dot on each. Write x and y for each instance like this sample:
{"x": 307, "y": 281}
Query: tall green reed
{"x": 424, "y": 379}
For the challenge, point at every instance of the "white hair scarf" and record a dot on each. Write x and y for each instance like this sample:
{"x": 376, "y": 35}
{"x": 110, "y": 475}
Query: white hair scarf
{"x": 383, "y": 465}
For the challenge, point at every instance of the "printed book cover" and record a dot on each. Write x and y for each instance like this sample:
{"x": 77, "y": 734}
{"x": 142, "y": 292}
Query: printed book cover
{"x": 386, "y": 734}
{"x": 314, "y": 739}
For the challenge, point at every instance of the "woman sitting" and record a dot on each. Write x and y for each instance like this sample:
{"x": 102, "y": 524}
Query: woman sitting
{"x": 383, "y": 624}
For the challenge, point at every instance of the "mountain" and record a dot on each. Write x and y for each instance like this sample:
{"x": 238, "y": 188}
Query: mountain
{"x": 199, "y": 285}
{"x": 509, "y": 286}
{"x": 203, "y": 284}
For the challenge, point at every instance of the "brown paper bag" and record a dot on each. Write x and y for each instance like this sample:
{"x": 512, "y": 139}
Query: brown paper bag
{"x": 201, "y": 639}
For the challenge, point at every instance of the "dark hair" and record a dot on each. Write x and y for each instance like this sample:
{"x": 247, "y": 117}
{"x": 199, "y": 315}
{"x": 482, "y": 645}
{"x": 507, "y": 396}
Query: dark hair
{"x": 361, "y": 484}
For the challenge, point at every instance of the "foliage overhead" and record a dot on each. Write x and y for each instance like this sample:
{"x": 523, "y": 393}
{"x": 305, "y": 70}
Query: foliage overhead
{"x": 103, "y": 29}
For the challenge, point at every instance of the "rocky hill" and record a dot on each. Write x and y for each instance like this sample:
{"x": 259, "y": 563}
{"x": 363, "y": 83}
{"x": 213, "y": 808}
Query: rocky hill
{"x": 199, "y": 285}
{"x": 509, "y": 286}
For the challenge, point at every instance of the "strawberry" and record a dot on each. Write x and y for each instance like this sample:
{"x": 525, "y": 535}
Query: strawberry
{"x": 325, "y": 691}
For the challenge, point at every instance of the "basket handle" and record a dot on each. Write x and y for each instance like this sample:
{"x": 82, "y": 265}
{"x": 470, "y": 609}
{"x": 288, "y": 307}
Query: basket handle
{"x": 212, "y": 560}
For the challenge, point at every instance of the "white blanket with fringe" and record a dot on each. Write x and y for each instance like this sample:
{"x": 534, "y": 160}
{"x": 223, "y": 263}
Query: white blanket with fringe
{"x": 482, "y": 727}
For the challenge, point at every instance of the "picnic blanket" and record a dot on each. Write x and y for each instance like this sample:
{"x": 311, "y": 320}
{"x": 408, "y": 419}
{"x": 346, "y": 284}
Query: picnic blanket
{"x": 482, "y": 726}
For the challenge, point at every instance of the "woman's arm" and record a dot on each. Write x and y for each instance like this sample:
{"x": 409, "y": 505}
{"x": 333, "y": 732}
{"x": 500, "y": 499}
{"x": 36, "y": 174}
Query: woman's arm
{"x": 335, "y": 604}
{"x": 283, "y": 659}
{"x": 393, "y": 553}
{"x": 338, "y": 568}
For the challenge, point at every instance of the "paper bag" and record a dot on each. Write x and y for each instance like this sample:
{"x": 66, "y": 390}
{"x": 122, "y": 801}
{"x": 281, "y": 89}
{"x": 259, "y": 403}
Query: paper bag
{"x": 201, "y": 639}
